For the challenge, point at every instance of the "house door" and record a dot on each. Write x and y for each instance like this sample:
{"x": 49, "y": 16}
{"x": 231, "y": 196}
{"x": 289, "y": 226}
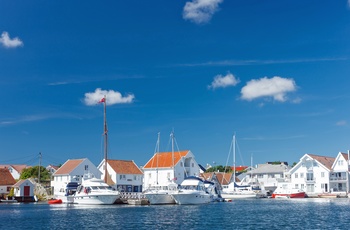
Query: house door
{"x": 326, "y": 187}
{"x": 26, "y": 190}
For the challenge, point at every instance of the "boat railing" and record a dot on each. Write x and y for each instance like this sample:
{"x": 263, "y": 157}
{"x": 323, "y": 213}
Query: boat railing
{"x": 132, "y": 195}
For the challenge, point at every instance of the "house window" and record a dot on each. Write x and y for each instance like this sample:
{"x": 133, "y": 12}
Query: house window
{"x": 301, "y": 175}
{"x": 309, "y": 177}
{"x": 86, "y": 167}
{"x": 181, "y": 164}
{"x": 168, "y": 176}
{"x": 296, "y": 175}
{"x": 149, "y": 175}
{"x": 296, "y": 186}
{"x": 122, "y": 177}
{"x": 192, "y": 165}
{"x": 322, "y": 174}
{"x": 135, "y": 177}
{"x": 340, "y": 163}
{"x": 302, "y": 187}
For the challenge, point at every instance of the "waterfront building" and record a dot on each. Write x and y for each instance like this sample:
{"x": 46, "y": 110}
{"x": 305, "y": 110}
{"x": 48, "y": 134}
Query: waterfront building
{"x": 24, "y": 190}
{"x": 339, "y": 177}
{"x": 311, "y": 174}
{"x": 73, "y": 170}
{"x": 169, "y": 166}
{"x": 124, "y": 175}
{"x": 267, "y": 175}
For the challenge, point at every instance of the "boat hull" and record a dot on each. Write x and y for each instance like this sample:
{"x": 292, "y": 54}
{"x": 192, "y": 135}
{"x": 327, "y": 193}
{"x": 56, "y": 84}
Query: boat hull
{"x": 160, "y": 198}
{"x": 55, "y": 201}
{"x": 289, "y": 195}
{"x": 227, "y": 196}
{"x": 191, "y": 198}
{"x": 95, "y": 199}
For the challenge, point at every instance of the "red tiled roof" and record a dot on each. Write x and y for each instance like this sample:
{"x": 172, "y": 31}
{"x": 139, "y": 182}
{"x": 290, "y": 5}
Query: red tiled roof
{"x": 164, "y": 159}
{"x": 68, "y": 167}
{"x": 6, "y": 178}
{"x": 124, "y": 167}
{"x": 18, "y": 168}
{"x": 223, "y": 178}
{"x": 326, "y": 161}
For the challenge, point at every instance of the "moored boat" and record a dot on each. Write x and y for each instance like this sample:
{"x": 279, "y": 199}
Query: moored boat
{"x": 95, "y": 191}
{"x": 284, "y": 190}
{"x": 54, "y": 201}
{"x": 192, "y": 191}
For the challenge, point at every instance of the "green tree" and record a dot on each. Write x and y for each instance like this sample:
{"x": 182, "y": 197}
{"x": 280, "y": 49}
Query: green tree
{"x": 219, "y": 168}
{"x": 33, "y": 172}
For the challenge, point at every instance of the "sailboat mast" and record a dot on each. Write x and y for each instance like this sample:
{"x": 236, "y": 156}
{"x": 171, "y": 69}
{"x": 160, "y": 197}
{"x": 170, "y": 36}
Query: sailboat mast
{"x": 157, "y": 152}
{"x": 172, "y": 153}
{"x": 234, "y": 157}
{"x": 105, "y": 133}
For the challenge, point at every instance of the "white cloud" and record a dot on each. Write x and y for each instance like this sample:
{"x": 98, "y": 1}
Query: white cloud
{"x": 224, "y": 81}
{"x": 112, "y": 97}
{"x": 276, "y": 87}
{"x": 341, "y": 123}
{"x": 200, "y": 11}
{"x": 6, "y": 41}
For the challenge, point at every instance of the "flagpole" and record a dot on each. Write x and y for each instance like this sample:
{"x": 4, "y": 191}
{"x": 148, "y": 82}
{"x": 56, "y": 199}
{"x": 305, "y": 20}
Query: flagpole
{"x": 105, "y": 132}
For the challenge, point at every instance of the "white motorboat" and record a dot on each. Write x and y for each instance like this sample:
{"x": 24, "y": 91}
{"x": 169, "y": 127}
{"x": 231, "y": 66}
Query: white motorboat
{"x": 66, "y": 193}
{"x": 192, "y": 191}
{"x": 161, "y": 194}
{"x": 95, "y": 191}
{"x": 234, "y": 191}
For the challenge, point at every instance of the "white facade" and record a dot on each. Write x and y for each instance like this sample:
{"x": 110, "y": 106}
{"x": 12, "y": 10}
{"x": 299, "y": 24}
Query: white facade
{"x": 74, "y": 174}
{"x": 185, "y": 167}
{"x": 339, "y": 177}
{"x": 24, "y": 188}
{"x": 124, "y": 180}
{"x": 310, "y": 176}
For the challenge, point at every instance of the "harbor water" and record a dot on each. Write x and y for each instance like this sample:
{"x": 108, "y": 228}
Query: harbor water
{"x": 311, "y": 213}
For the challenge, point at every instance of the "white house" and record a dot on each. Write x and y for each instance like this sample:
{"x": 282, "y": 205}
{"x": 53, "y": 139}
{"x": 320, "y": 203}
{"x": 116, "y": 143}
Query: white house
{"x": 73, "y": 171}
{"x": 339, "y": 177}
{"x": 312, "y": 174}
{"x": 169, "y": 166}
{"x": 267, "y": 175}
{"x": 15, "y": 170}
{"x": 124, "y": 175}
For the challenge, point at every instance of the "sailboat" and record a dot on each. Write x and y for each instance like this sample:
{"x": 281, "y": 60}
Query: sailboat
{"x": 233, "y": 190}
{"x": 93, "y": 190}
{"x": 161, "y": 193}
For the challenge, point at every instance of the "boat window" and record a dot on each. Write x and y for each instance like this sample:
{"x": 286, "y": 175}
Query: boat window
{"x": 94, "y": 187}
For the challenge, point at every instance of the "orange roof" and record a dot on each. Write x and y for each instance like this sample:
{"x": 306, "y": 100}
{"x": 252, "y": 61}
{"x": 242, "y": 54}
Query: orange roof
{"x": 326, "y": 161}
{"x": 124, "y": 167}
{"x": 239, "y": 168}
{"x": 164, "y": 159}
{"x": 68, "y": 167}
{"x": 6, "y": 178}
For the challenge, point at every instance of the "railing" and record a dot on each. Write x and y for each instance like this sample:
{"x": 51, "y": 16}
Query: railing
{"x": 132, "y": 195}
{"x": 337, "y": 178}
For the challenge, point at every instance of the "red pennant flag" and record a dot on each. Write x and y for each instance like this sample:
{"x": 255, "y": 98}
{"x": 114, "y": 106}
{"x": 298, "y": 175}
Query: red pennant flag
{"x": 102, "y": 100}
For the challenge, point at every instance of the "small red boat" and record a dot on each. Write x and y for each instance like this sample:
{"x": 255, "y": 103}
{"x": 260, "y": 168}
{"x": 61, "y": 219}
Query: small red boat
{"x": 55, "y": 201}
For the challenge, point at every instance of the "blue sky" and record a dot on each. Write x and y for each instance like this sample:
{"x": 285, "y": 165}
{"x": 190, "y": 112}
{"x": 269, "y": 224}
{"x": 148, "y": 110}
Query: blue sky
{"x": 274, "y": 72}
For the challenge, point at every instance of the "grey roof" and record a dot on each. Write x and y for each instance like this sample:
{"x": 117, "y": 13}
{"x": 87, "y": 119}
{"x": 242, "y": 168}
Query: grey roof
{"x": 269, "y": 168}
